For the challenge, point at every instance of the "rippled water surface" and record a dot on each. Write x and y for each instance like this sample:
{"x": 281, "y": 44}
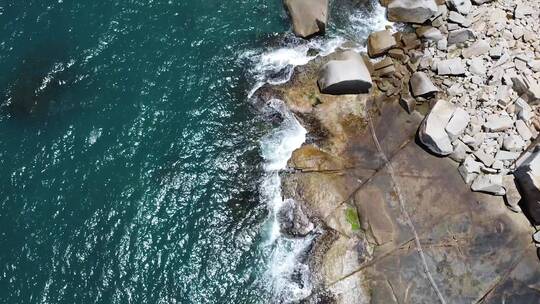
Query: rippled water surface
{"x": 128, "y": 154}
{"x": 130, "y": 162}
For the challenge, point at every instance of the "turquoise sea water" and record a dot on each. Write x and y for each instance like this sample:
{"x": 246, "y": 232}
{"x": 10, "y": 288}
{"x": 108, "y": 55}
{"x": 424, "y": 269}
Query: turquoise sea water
{"x": 128, "y": 151}
{"x": 130, "y": 162}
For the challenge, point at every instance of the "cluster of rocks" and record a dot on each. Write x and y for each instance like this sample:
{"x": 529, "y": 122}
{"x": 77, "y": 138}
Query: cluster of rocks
{"x": 476, "y": 67}
{"x": 477, "y": 64}
{"x": 479, "y": 68}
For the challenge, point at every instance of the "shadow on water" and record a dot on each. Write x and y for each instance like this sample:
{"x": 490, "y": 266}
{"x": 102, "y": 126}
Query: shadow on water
{"x": 38, "y": 80}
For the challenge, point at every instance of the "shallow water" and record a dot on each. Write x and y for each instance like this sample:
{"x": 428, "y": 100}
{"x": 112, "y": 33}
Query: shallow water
{"x": 130, "y": 155}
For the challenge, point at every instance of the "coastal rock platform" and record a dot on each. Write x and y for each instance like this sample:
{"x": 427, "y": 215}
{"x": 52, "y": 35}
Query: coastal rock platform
{"x": 401, "y": 225}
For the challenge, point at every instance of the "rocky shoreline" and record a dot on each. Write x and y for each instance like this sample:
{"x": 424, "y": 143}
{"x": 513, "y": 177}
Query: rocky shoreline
{"x": 400, "y": 222}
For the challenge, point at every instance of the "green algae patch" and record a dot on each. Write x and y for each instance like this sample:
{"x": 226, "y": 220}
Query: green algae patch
{"x": 351, "y": 215}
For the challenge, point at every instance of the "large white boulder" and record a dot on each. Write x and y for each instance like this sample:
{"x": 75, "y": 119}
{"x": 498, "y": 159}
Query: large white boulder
{"x": 308, "y": 17}
{"x": 411, "y": 11}
{"x": 432, "y": 133}
{"x": 347, "y": 76}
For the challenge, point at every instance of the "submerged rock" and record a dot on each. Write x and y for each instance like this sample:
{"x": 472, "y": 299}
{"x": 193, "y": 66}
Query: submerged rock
{"x": 348, "y": 76}
{"x": 293, "y": 221}
{"x": 309, "y": 17}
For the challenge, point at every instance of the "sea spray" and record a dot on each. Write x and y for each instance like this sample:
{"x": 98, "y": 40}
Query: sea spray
{"x": 287, "y": 275}
{"x": 276, "y": 65}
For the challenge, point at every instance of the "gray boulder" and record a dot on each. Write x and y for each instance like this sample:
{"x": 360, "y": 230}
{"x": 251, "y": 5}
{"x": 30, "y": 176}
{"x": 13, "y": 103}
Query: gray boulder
{"x": 430, "y": 33}
{"x": 512, "y": 196}
{"x": 421, "y": 85}
{"x": 460, "y": 36}
{"x": 411, "y": 11}
{"x": 432, "y": 133}
{"x": 458, "y": 123}
{"x": 498, "y": 123}
{"x": 469, "y": 169}
{"x": 309, "y": 17}
{"x": 478, "y": 48}
{"x": 347, "y": 76}
{"x": 527, "y": 87}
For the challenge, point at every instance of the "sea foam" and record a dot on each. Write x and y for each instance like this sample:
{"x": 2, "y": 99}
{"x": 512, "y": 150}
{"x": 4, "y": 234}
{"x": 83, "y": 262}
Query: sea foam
{"x": 287, "y": 275}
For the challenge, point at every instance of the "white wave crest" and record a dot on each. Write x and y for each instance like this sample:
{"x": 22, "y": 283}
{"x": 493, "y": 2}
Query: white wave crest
{"x": 284, "y": 253}
{"x": 287, "y": 274}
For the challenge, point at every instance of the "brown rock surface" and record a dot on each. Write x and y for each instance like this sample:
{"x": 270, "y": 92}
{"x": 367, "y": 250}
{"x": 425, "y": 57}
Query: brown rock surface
{"x": 475, "y": 249}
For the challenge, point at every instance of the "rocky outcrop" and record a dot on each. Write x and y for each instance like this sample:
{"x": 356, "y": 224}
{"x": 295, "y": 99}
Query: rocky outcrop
{"x": 411, "y": 11}
{"x": 401, "y": 225}
{"x": 369, "y": 253}
{"x": 346, "y": 76}
{"x": 308, "y": 17}
{"x": 493, "y": 50}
